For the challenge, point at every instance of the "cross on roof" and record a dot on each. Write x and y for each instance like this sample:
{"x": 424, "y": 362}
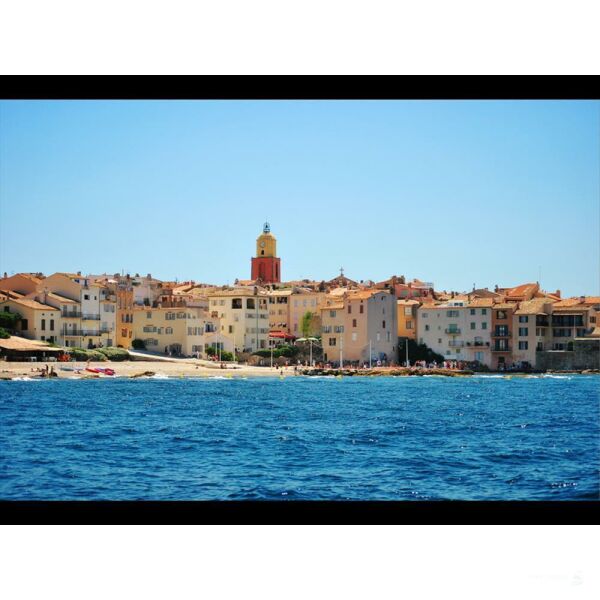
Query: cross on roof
{"x": 341, "y": 271}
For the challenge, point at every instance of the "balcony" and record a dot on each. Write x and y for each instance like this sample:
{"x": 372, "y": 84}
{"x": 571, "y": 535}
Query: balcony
{"x": 456, "y": 344}
{"x": 453, "y": 331}
{"x": 71, "y": 314}
{"x": 80, "y": 332}
{"x": 499, "y": 349}
{"x": 501, "y": 334}
{"x": 478, "y": 343}
{"x": 90, "y": 317}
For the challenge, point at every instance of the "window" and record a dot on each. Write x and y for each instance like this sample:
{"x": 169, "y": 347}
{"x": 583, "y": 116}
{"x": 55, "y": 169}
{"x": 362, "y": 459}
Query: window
{"x": 479, "y": 356}
{"x": 523, "y": 331}
{"x": 426, "y": 327}
{"x": 353, "y": 322}
{"x": 332, "y": 341}
{"x": 51, "y": 324}
{"x": 523, "y": 345}
{"x": 149, "y": 315}
{"x": 378, "y": 336}
{"x": 349, "y": 309}
{"x": 354, "y": 336}
{"x": 332, "y": 313}
{"x": 236, "y": 303}
{"x": 523, "y": 319}
{"x": 484, "y": 325}
{"x": 43, "y": 338}
{"x": 407, "y": 311}
{"x": 382, "y": 324}
{"x": 452, "y": 313}
{"x": 361, "y": 310}
{"x": 500, "y": 314}
{"x": 389, "y": 339}
{"x": 472, "y": 311}
{"x": 86, "y": 296}
{"x": 424, "y": 315}
{"x": 43, "y": 324}
{"x": 326, "y": 328}
{"x": 409, "y": 325}
{"x": 249, "y": 303}
{"x": 439, "y": 340}
{"x": 231, "y": 329}
{"x": 472, "y": 325}
{"x": 338, "y": 329}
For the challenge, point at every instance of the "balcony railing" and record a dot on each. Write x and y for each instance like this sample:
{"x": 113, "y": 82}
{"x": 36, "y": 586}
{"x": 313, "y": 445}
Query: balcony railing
{"x": 71, "y": 314}
{"x": 456, "y": 344}
{"x": 498, "y": 349}
{"x": 90, "y": 317}
{"x": 505, "y": 334}
{"x": 478, "y": 343}
{"x": 80, "y": 332}
{"x": 455, "y": 331}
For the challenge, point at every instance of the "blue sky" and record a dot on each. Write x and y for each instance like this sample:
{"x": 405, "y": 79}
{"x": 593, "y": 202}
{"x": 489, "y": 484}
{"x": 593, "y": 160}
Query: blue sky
{"x": 458, "y": 193}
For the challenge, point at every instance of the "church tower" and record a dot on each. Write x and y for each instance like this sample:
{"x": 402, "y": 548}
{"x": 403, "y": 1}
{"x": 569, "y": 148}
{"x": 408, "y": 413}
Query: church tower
{"x": 265, "y": 265}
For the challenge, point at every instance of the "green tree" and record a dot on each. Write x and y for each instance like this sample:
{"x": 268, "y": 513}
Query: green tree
{"x": 306, "y": 323}
{"x": 9, "y": 320}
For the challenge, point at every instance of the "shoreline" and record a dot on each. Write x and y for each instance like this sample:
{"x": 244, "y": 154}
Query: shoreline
{"x": 199, "y": 369}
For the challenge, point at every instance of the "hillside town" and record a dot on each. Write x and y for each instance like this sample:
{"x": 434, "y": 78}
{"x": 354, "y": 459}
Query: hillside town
{"x": 346, "y": 322}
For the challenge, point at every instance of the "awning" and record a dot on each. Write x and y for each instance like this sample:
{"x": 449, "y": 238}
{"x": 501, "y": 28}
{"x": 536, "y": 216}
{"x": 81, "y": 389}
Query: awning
{"x": 282, "y": 335}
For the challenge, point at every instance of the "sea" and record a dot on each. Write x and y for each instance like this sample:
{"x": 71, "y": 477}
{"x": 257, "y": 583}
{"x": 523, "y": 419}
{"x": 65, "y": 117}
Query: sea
{"x": 487, "y": 437}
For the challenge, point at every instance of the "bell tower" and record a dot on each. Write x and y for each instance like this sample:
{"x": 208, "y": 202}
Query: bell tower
{"x": 266, "y": 266}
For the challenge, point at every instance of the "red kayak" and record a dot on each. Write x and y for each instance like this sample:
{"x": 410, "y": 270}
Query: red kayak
{"x": 106, "y": 371}
{"x": 92, "y": 370}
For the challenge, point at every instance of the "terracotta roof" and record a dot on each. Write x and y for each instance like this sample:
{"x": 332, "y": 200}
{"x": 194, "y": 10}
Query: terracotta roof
{"x": 10, "y": 294}
{"x": 364, "y": 294}
{"x": 408, "y": 302}
{"x": 58, "y": 297}
{"x": 332, "y": 306}
{"x": 592, "y": 300}
{"x": 522, "y": 290}
{"x": 535, "y": 306}
{"x": 504, "y": 305}
{"x": 29, "y": 303}
{"x": 481, "y": 302}
{"x": 23, "y": 345}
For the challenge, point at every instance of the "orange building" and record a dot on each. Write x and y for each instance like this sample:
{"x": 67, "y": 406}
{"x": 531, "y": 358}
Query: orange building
{"x": 407, "y": 318}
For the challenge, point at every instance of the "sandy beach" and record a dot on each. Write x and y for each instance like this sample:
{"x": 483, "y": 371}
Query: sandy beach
{"x": 160, "y": 367}
{"x": 176, "y": 368}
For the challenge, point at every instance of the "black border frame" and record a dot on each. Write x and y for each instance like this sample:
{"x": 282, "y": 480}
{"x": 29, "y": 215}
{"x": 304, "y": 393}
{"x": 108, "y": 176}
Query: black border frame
{"x": 323, "y": 87}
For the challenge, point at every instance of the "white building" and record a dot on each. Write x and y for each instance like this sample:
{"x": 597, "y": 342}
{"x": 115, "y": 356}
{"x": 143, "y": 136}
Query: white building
{"x": 457, "y": 329}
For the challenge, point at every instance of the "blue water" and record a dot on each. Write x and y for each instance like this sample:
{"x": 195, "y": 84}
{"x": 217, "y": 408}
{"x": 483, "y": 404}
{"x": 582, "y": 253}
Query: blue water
{"x": 482, "y": 438}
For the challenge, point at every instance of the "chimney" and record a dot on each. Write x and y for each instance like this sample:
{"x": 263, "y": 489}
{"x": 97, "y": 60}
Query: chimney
{"x": 557, "y": 293}
{"x": 79, "y": 273}
{"x": 5, "y": 275}
{"x": 496, "y": 288}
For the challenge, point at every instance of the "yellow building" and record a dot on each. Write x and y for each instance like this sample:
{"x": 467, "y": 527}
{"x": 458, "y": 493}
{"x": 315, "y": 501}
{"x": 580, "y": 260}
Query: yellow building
{"x": 38, "y": 321}
{"x": 302, "y": 301}
{"x": 184, "y": 331}
{"x": 243, "y": 315}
